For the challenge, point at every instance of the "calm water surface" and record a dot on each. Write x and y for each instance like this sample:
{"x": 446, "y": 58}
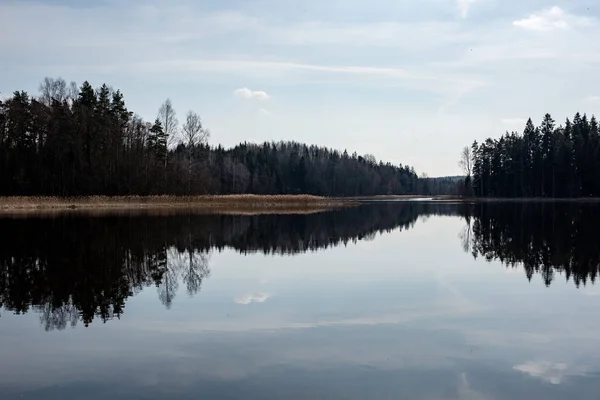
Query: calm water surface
{"x": 387, "y": 301}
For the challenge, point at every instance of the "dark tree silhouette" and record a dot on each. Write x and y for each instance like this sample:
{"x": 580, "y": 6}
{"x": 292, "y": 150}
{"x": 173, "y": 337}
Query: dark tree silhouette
{"x": 545, "y": 161}
{"x": 86, "y": 142}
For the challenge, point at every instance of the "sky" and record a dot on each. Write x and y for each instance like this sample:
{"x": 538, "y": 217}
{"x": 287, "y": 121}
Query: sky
{"x": 408, "y": 81}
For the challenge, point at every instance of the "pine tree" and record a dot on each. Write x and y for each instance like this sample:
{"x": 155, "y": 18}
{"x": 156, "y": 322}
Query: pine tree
{"x": 157, "y": 141}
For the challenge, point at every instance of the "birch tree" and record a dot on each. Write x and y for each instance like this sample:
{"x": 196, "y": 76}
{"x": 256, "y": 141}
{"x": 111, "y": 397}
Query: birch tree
{"x": 194, "y": 135}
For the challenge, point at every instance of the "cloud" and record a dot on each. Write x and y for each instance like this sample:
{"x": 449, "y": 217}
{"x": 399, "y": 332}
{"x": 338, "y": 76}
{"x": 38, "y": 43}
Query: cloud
{"x": 466, "y": 391}
{"x": 370, "y": 34}
{"x": 513, "y": 121}
{"x": 464, "y": 6}
{"x": 245, "y": 93}
{"x": 275, "y": 71}
{"x": 551, "y": 18}
{"x": 554, "y": 373}
{"x": 264, "y": 111}
{"x": 592, "y": 99}
{"x": 252, "y": 298}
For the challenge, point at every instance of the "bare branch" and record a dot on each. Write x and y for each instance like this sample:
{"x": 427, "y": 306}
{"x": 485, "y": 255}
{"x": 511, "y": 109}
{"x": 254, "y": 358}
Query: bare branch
{"x": 193, "y": 132}
{"x": 53, "y": 89}
{"x": 168, "y": 118}
{"x": 466, "y": 161}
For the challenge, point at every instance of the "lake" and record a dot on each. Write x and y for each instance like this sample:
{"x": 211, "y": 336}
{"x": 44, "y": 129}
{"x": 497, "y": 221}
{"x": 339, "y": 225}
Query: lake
{"x": 415, "y": 300}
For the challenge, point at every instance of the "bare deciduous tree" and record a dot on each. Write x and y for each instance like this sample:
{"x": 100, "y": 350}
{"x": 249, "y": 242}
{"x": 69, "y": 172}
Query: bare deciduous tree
{"x": 73, "y": 91}
{"x": 466, "y": 164}
{"x": 170, "y": 125}
{"x": 168, "y": 119}
{"x": 53, "y": 89}
{"x": 194, "y": 134}
{"x": 370, "y": 158}
{"x": 466, "y": 161}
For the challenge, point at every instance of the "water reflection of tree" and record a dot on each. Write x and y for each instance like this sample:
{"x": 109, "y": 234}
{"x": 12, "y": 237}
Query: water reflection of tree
{"x": 189, "y": 267}
{"x": 465, "y": 234}
{"x": 543, "y": 238}
{"x": 194, "y": 271}
{"x": 58, "y": 317}
{"x": 73, "y": 269}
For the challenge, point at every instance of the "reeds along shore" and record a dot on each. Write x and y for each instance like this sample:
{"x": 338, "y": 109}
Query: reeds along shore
{"x": 224, "y": 202}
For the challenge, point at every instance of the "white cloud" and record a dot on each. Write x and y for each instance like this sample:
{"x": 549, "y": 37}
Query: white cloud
{"x": 464, "y": 6}
{"x": 554, "y": 373}
{"x": 373, "y": 34}
{"x": 592, "y": 99}
{"x": 245, "y": 93}
{"x": 270, "y": 67}
{"x": 551, "y": 18}
{"x": 513, "y": 121}
{"x": 264, "y": 111}
{"x": 466, "y": 391}
{"x": 283, "y": 71}
{"x": 252, "y": 298}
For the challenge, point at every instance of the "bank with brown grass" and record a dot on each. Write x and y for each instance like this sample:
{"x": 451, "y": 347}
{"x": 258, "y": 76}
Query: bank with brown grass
{"x": 243, "y": 203}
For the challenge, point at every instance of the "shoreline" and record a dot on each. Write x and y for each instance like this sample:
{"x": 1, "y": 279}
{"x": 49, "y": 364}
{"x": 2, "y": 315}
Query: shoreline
{"x": 529, "y": 199}
{"x": 238, "y": 204}
{"x": 215, "y": 203}
{"x": 462, "y": 199}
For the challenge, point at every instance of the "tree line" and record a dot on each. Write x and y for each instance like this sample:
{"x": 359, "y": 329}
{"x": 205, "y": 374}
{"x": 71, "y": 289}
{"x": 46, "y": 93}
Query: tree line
{"x": 549, "y": 160}
{"x": 447, "y": 185}
{"x": 76, "y": 140}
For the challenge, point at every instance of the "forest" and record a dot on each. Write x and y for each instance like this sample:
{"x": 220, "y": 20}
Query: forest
{"x": 550, "y": 160}
{"x": 78, "y": 140}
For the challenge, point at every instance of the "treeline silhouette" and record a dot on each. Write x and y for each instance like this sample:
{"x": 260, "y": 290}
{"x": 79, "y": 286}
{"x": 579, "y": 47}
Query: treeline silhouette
{"x": 549, "y": 239}
{"x": 73, "y": 141}
{"x": 544, "y": 161}
{"x": 74, "y": 268}
{"x": 445, "y": 185}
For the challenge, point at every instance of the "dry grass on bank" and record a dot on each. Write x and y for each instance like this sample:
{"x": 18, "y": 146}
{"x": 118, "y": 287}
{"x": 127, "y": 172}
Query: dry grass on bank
{"x": 157, "y": 212}
{"x": 228, "y": 203}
